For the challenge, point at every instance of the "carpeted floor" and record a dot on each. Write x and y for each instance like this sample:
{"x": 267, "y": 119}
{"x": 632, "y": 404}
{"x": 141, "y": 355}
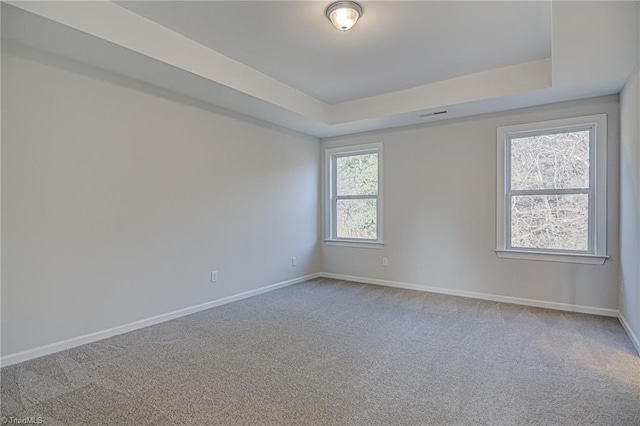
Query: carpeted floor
{"x": 330, "y": 352}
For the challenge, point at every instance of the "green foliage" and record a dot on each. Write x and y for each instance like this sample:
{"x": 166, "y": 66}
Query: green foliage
{"x": 357, "y": 219}
{"x": 357, "y": 175}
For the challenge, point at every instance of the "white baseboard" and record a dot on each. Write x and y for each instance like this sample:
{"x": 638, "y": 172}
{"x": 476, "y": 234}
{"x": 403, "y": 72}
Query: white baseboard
{"x": 632, "y": 335}
{"x": 482, "y": 296}
{"x": 104, "y": 334}
{"x": 99, "y": 335}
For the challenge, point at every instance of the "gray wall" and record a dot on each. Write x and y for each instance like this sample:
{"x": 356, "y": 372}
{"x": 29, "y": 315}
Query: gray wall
{"x": 119, "y": 199}
{"x": 630, "y": 201}
{"x": 117, "y": 203}
{"x": 440, "y": 213}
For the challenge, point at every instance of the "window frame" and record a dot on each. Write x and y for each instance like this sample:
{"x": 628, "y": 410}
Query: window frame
{"x": 596, "y": 252}
{"x": 331, "y": 197}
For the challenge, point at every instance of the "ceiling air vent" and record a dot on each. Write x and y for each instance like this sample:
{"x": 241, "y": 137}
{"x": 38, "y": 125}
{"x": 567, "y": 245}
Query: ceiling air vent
{"x": 430, "y": 114}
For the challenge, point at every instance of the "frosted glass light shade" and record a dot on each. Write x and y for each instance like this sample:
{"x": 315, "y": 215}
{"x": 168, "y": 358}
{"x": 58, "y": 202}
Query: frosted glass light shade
{"x": 344, "y": 14}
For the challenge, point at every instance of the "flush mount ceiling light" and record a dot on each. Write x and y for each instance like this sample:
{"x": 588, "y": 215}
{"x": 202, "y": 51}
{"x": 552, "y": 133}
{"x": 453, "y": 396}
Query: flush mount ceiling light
{"x": 344, "y": 14}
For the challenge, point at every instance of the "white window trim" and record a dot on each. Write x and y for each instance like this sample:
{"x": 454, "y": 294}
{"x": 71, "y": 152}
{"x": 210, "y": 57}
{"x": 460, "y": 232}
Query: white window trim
{"x": 329, "y": 188}
{"x": 597, "y": 254}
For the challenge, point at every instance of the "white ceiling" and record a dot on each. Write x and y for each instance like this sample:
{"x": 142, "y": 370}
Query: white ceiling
{"x": 395, "y": 46}
{"x": 466, "y": 58}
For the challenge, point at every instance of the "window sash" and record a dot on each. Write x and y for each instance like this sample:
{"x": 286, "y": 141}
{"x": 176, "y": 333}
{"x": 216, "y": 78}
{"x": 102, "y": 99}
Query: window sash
{"x": 551, "y": 191}
{"x": 333, "y": 197}
{"x": 510, "y": 193}
{"x": 356, "y": 197}
{"x": 590, "y": 248}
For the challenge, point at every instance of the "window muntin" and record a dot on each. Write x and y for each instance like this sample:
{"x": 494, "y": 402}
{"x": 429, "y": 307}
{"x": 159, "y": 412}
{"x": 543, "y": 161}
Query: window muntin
{"x": 354, "y": 195}
{"x": 553, "y": 187}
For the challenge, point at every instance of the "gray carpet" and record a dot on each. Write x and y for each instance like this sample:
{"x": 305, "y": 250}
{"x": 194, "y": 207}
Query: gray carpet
{"x": 330, "y": 352}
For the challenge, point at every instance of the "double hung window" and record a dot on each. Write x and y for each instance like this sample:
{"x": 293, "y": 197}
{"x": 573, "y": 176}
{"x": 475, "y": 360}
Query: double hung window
{"x": 353, "y": 201}
{"x": 552, "y": 190}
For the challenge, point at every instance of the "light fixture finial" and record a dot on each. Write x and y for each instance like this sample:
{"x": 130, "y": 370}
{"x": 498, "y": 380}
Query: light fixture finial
{"x": 343, "y": 14}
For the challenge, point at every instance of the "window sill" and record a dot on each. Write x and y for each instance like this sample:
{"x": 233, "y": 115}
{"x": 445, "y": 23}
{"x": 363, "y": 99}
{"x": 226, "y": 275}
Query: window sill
{"x": 358, "y": 244}
{"x": 589, "y": 259}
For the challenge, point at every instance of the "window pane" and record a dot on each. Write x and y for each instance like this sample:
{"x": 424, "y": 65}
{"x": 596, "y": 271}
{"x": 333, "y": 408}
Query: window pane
{"x": 357, "y": 174}
{"x": 550, "y": 221}
{"x": 557, "y": 161}
{"x": 357, "y": 219}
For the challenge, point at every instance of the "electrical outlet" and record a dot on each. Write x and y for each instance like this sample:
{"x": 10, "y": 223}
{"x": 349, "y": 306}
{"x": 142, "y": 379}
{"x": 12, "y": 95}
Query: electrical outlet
{"x": 214, "y": 276}
{"x": 294, "y": 262}
{"x": 385, "y": 261}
